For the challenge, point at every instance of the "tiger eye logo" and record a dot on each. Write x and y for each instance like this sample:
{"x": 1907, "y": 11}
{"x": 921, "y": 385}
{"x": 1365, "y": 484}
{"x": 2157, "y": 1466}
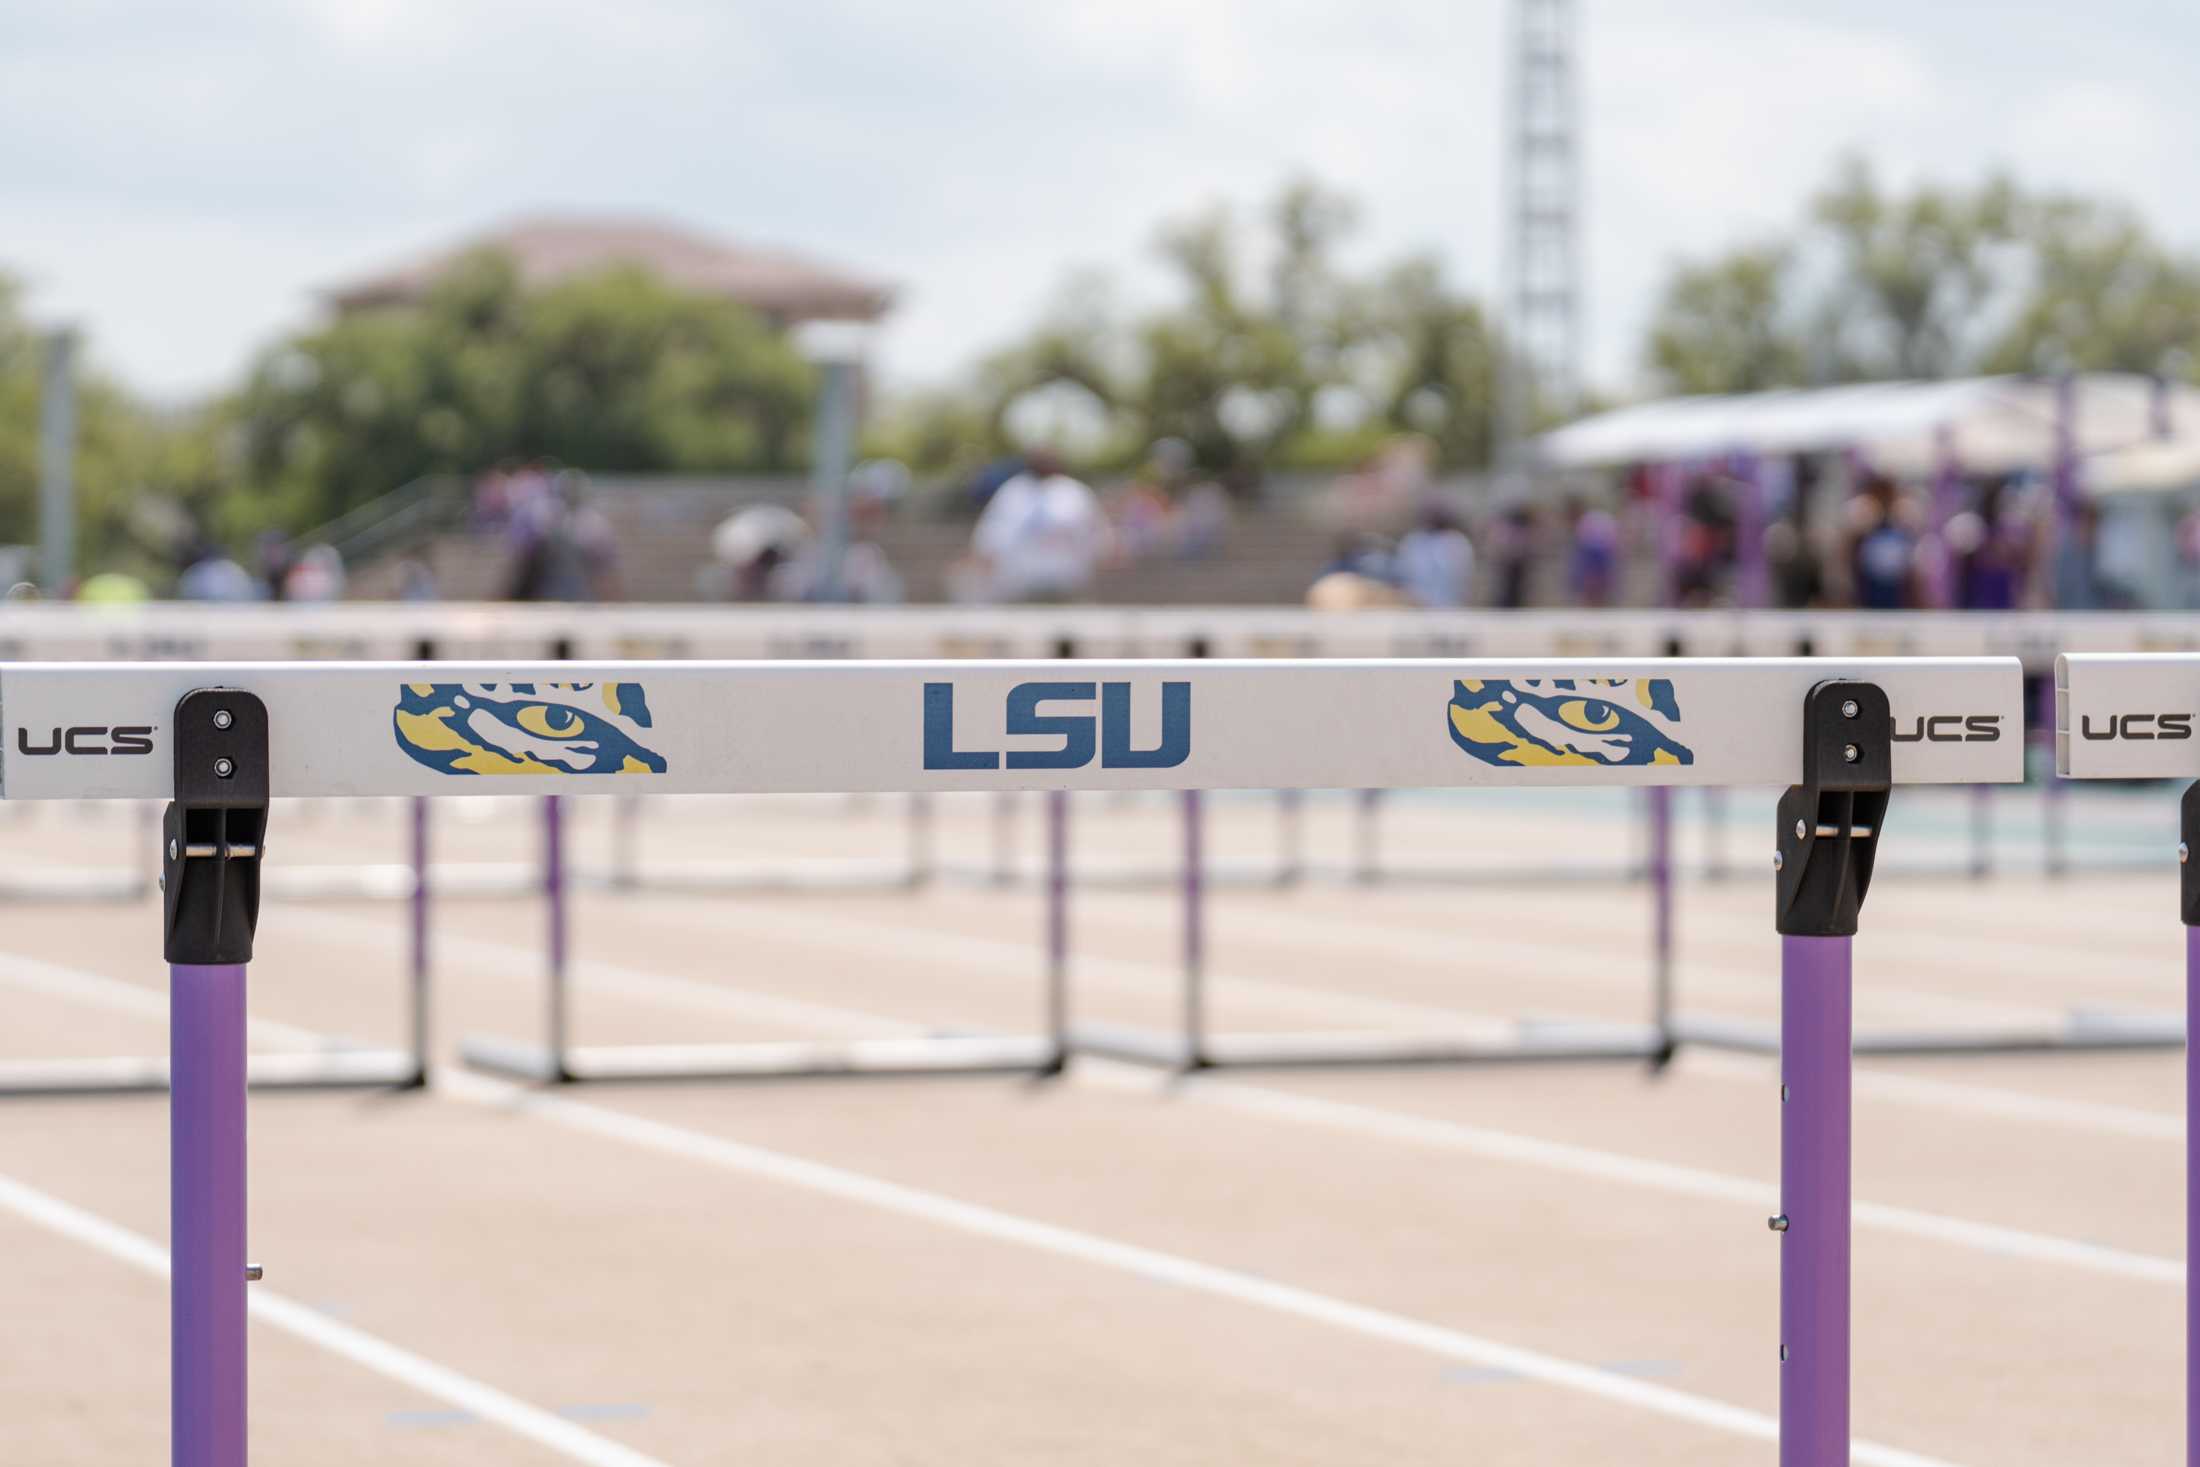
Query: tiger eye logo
{"x": 1549, "y": 722}
{"x": 526, "y": 728}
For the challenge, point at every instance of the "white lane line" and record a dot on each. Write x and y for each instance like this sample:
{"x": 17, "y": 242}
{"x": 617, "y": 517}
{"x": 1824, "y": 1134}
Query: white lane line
{"x": 1397, "y": 1126}
{"x": 1149, "y": 1264}
{"x": 1501, "y": 1146}
{"x": 544, "y": 1428}
{"x": 1667, "y": 1177}
{"x": 971, "y": 1218}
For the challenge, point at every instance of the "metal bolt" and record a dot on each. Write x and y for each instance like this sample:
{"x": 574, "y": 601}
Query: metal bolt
{"x": 1779, "y": 862}
{"x": 171, "y": 848}
{"x": 223, "y": 718}
{"x": 1851, "y": 753}
{"x": 253, "y": 1273}
{"x": 1783, "y": 1354}
{"x": 2184, "y": 853}
{"x": 1783, "y": 1095}
{"x": 1848, "y": 708}
{"x": 1777, "y": 1224}
{"x": 223, "y": 768}
{"x": 1801, "y": 830}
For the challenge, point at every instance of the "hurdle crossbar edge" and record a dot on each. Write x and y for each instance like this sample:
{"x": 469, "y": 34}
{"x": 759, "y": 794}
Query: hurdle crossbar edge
{"x": 2133, "y": 717}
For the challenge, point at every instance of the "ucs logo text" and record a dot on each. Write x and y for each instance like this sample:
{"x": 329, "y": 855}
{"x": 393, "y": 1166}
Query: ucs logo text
{"x": 1080, "y": 735}
{"x": 2169, "y": 726}
{"x": 87, "y": 738}
{"x": 1950, "y": 728}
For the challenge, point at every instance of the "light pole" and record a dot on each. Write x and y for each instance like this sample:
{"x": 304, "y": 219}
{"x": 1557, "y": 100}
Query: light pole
{"x": 57, "y": 463}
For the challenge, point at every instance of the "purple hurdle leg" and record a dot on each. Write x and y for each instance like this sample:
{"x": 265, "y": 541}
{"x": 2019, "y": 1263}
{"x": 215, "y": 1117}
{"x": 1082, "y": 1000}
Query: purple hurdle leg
{"x": 1057, "y": 1015}
{"x": 206, "y": 1214}
{"x": 1814, "y": 1201}
{"x": 1661, "y": 908}
{"x": 1195, "y": 933}
{"x": 553, "y": 891}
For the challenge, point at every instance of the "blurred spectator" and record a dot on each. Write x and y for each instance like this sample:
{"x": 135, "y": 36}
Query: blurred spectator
{"x": 1883, "y": 543}
{"x": 1435, "y": 560}
{"x": 750, "y": 547}
{"x": 416, "y": 581}
{"x": 316, "y": 575}
{"x": 987, "y": 481}
{"x": 563, "y": 546}
{"x": 1512, "y": 552}
{"x": 1704, "y": 547}
{"x": 1361, "y": 554}
{"x": 1203, "y": 524}
{"x": 275, "y": 556}
{"x": 112, "y": 588}
{"x": 210, "y": 575}
{"x": 1360, "y": 576}
{"x": 1992, "y": 548}
{"x": 1592, "y": 564}
{"x": 1041, "y": 536}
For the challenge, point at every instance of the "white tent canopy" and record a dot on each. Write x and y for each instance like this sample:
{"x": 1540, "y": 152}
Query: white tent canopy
{"x": 1992, "y": 425}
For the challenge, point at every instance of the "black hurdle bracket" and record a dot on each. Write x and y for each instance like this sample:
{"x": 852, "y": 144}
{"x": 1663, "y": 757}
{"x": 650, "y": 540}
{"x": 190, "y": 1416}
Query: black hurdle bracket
{"x": 215, "y": 828}
{"x": 1829, "y": 824}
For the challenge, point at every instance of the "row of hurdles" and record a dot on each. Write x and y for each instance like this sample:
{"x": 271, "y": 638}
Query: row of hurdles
{"x": 1839, "y": 734}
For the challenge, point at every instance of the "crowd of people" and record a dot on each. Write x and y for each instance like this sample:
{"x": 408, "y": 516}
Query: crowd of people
{"x": 1826, "y": 531}
{"x": 1816, "y": 532}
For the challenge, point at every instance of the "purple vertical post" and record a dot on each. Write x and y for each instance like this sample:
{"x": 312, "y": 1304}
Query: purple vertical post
{"x": 1058, "y": 922}
{"x": 1814, "y": 1201}
{"x": 420, "y": 900}
{"x": 553, "y": 891}
{"x": 1195, "y": 935}
{"x": 2051, "y": 813}
{"x": 1752, "y": 583}
{"x": 2192, "y": 1205}
{"x": 1661, "y": 906}
{"x": 206, "y": 1221}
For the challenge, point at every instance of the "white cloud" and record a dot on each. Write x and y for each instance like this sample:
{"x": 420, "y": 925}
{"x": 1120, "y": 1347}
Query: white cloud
{"x": 181, "y": 182}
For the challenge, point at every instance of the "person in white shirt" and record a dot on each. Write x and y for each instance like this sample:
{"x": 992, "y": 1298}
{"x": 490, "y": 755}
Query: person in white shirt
{"x": 1434, "y": 563}
{"x": 1041, "y": 535}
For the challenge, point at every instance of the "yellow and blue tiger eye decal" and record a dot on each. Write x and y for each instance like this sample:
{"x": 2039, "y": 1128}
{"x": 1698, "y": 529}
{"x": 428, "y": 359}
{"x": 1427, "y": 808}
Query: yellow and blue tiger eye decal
{"x": 526, "y": 728}
{"x": 1547, "y": 722}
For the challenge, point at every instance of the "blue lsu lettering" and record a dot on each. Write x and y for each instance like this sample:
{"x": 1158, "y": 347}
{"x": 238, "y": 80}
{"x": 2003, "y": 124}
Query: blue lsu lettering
{"x": 1077, "y": 732}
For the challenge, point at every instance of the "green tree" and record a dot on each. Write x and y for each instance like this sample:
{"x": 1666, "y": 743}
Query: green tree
{"x": 1931, "y": 283}
{"x": 1236, "y": 363}
{"x": 1912, "y": 276}
{"x": 2103, "y": 296}
{"x": 609, "y": 371}
{"x": 130, "y": 462}
{"x": 1718, "y": 325}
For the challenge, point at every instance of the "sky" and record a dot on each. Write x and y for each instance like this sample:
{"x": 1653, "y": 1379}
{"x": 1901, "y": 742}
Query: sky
{"x": 179, "y": 180}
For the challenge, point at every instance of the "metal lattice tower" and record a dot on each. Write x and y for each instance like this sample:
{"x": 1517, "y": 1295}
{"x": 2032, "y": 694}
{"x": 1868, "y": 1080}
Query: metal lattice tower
{"x": 1542, "y": 255}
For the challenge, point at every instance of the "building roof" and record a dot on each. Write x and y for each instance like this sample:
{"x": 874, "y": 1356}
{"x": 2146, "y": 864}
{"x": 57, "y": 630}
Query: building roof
{"x": 550, "y": 248}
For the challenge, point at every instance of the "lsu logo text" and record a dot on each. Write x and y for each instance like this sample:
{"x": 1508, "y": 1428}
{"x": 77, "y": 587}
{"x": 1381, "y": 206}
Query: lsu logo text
{"x": 526, "y": 728}
{"x": 1079, "y": 736}
{"x": 1543, "y": 722}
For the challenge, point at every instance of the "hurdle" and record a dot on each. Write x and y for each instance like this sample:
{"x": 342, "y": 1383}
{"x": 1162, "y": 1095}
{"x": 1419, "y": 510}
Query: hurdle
{"x": 2131, "y": 717}
{"x": 237, "y": 736}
